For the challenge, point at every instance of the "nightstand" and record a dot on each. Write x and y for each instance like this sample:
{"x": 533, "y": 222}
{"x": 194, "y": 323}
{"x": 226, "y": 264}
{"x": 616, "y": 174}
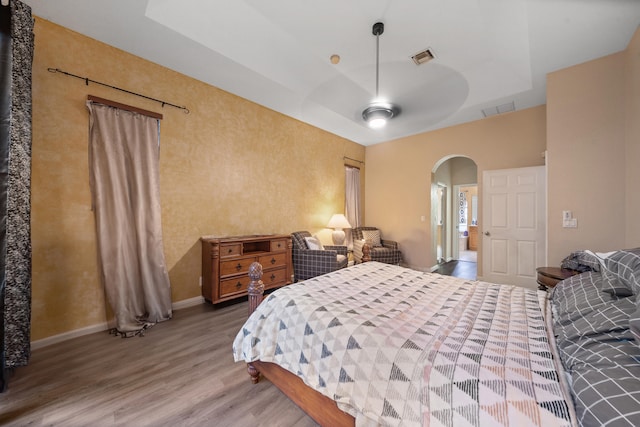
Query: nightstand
{"x": 548, "y": 277}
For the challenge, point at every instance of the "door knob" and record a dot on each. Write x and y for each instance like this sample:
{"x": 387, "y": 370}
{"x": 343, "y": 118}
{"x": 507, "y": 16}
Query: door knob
{"x": 486, "y": 233}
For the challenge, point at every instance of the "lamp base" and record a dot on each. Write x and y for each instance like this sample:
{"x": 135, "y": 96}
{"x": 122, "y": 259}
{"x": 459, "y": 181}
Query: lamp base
{"x": 338, "y": 237}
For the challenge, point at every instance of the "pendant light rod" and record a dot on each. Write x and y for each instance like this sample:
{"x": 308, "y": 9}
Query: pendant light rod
{"x": 377, "y": 30}
{"x": 377, "y": 113}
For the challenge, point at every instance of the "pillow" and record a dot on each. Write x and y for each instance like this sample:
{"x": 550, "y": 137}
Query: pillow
{"x": 611, "y": 282}
{"x": 621, "y": 273}
{"x": 314, "y": 243}
{"x": 372, "y": 237}
{"x": 582, "y": 261}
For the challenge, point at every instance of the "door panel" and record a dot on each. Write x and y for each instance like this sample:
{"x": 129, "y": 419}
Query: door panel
{"x": 514, "y": 228}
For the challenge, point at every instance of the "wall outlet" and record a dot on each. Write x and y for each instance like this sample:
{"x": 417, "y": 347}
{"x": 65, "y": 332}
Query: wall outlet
{"x": 200, "y": 282}
{"x": 570, "y": 223}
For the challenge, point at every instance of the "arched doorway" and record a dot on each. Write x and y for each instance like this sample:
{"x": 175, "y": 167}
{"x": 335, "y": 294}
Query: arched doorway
{"x": 454, "y": 214}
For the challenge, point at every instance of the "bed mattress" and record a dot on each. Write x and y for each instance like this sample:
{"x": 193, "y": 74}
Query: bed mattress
{"x": 395, "y": 346}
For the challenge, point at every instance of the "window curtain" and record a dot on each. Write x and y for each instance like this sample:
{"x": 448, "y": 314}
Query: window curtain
{"x": 124, "y": 175}
{"x": 16, "y": 51}
{"x": 352, "y": 201}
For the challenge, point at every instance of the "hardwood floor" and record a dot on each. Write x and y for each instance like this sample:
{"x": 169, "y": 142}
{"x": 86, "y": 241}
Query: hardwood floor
{"x": 459, "y": 268}
{"x": 181, "y": 373}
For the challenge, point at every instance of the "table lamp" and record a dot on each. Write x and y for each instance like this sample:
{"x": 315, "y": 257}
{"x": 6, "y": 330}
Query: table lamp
{"x": 338, "y": 222}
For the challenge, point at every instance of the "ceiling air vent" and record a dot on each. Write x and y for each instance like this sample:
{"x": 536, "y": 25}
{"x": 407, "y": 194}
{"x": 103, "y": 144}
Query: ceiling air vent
{"x": 499, "y": 109}
{"x": 423, "y": 57}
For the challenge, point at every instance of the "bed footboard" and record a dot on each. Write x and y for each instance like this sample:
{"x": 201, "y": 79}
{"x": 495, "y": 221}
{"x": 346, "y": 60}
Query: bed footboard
{"x": 319, "y": 407}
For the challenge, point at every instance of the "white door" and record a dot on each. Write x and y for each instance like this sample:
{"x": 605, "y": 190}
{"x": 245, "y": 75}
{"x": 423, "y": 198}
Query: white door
{"x": 514, "y": 225}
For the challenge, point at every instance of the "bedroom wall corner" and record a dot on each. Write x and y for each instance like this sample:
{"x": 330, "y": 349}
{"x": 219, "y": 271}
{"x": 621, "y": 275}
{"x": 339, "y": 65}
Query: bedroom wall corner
{"x": 398, "y": 190}
{"x": 229, "y": 167}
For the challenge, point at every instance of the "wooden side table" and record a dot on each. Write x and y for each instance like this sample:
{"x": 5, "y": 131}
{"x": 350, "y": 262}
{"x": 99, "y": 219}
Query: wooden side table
{"x": 548, "y": 277}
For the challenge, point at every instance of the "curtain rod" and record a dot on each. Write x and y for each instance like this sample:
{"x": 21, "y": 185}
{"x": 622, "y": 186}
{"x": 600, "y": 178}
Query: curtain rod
{"x": 88, "y": 80}
{"x": 355, "y": 160}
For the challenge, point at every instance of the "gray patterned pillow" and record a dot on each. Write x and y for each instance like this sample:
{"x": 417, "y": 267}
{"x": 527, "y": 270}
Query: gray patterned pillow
{"x": 626, "y": 267}
{"x": 621, "y": 273}
{"x": 372, "y": 237}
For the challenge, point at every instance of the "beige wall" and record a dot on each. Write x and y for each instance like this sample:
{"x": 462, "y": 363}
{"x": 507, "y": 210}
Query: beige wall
{"x": 593, "y": 149}
{"x": 399, "y": 173}
{"x": 632, "y": 152}
{"x": 230, "y": 167}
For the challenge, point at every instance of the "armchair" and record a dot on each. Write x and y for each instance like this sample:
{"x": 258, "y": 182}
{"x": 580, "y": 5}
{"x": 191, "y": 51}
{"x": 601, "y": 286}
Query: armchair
{"x": 380, "y": 250}
{"x": 308, "y": 263}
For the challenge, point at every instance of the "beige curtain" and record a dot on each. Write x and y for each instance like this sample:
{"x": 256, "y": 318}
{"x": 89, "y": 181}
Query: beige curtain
{"x": 352, "y": 201}
{"x": 123, "y": 167}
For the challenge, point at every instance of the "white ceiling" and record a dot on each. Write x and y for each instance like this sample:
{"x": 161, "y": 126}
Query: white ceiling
{"x": 277, "y": 52}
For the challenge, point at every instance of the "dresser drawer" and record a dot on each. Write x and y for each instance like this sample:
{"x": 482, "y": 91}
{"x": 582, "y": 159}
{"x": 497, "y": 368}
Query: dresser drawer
{"x": 278, "y": 245}
{"x": 273, "y": 260}
{"x": 235, "y": 266}
{"x": 234, "y": 285}
{"x": 274, "y": 277}
{"x": 233, "y": 249}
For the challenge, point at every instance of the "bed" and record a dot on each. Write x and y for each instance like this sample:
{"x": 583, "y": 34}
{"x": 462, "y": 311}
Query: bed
{"x": 378, "y": 344}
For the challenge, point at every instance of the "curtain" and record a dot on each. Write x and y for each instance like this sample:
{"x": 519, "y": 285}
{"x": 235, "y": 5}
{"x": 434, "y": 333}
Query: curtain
{"x": 16, "y": 51}
{"x": 352, "y": 201}
{"x": 124, "y": 175}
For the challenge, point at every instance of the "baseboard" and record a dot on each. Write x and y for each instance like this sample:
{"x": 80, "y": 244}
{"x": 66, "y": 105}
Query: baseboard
{"x": 179, "y": 305}
{"x": 69, "y": 335}
{"x": 104, "y": 326}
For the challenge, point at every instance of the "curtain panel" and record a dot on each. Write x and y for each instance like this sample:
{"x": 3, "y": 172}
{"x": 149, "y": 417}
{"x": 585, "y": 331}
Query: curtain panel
{"x": 352, "y": 201}
{"x": 124, "y": 176}
{"x": 16, "y": 44}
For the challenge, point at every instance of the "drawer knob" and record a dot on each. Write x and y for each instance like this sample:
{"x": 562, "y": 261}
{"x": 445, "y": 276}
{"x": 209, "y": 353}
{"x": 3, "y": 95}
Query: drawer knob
{"x": 239, "y": 267}
{"x": 273, "y": 261}
{"x": 273, "y": 277}
{"x": 230, "y": 250}
{"x": 238, "y": 285}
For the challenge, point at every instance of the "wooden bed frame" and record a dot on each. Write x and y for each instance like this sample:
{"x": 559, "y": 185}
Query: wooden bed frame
{"x": 322, "y": 409}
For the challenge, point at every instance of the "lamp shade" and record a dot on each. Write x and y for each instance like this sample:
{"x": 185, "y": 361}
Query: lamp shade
{"x": 338, "y": 221}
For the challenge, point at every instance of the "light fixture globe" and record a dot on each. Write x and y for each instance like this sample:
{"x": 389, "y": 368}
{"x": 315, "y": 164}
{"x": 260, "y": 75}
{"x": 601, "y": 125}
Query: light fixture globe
{"x": 376, "y": 115}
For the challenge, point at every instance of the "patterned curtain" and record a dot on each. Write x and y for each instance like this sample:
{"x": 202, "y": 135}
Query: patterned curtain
{"x": 16, "y": 50}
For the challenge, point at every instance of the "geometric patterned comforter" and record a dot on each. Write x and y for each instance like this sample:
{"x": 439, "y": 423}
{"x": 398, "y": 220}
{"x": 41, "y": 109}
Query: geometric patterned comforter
{"x": 395, "y": 346}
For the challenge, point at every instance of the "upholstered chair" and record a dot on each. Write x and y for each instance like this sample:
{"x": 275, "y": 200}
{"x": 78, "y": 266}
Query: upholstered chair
{"x": 381, "y": 250}
{"x": 311, "y": 258}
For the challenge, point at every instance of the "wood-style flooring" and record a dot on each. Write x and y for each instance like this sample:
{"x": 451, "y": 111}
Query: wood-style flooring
{"x": 181, "y": 373}
{"x": 458, "y": 268}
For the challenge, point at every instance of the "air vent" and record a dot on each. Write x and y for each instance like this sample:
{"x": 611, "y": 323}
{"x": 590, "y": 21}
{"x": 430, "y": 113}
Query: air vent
{"x": 503, "y": 108}
{"x": 423, "y": 57}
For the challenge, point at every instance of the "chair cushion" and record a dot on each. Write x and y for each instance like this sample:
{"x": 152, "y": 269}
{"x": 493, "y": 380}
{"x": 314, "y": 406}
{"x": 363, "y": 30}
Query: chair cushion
{"x": 314, "y": 243}
{"x": 342, "y": 261}
{"x": 372, "y": 236}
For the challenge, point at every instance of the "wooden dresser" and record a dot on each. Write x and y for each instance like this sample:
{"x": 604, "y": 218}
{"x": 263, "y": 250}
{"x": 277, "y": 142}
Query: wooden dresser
{"x": 226, "y": 261}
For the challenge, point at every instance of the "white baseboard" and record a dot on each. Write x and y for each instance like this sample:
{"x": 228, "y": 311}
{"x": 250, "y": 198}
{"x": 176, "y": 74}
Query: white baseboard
{"x": 104, "y": 326}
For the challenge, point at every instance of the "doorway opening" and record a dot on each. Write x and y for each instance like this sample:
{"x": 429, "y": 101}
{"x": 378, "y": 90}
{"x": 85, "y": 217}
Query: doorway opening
{"x": 455, "y": 217}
